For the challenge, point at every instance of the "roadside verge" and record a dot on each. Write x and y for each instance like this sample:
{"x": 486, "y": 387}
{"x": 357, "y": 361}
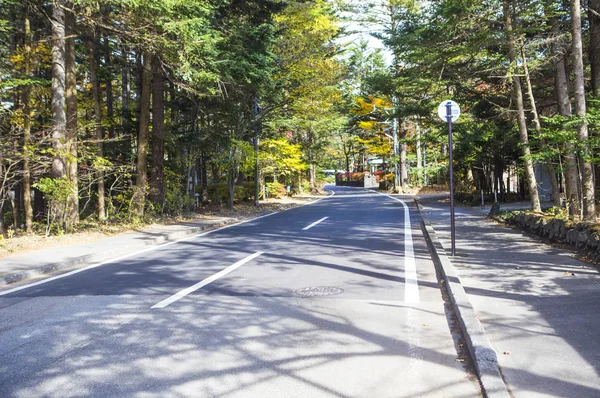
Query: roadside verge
{"x": 482, "y": 354}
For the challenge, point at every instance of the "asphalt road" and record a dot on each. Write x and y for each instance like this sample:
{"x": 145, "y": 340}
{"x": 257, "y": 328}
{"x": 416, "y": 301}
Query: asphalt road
{"x": 334, "y": 299}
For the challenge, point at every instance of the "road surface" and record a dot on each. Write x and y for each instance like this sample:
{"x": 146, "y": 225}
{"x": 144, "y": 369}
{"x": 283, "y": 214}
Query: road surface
{"x": 338, "y": 298}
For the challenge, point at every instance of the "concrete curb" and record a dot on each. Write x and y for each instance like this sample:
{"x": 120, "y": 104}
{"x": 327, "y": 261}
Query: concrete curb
{"x": 107, "y": 255}
{"x": 483, "y": 355}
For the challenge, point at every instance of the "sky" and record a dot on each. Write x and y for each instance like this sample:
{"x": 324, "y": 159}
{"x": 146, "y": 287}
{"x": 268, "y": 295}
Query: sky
{"x": 362, "y": 31}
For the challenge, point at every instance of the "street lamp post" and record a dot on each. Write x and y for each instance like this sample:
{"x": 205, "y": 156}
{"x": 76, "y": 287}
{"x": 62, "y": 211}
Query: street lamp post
{"x": 449, "y": 111}
{"x": 451, "y": 160}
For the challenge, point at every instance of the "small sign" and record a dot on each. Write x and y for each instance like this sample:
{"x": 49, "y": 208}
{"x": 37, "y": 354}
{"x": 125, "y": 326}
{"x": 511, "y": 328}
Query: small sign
{"x": 454, "y": 110}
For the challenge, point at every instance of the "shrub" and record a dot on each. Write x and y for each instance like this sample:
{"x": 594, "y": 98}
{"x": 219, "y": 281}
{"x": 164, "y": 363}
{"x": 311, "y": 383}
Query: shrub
{"x": 56, "y": 191}
{"x": 246, "y": 190}
{"x": 305, "y": 186}
{"x": 218, "y": 193}
{"x": 177, "y": 200}
{"x": 389, "y": 177}
{"x": 300, "y": 189}
{"x": 358, "y": 176}
{"x": 275, "y": 190}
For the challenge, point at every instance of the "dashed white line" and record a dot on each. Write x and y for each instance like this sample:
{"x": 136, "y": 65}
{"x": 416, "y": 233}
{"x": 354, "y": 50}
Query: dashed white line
{"x": 181, "y": 294}
{"x": 315, "y": 223}
{"x": 114, "y": 260}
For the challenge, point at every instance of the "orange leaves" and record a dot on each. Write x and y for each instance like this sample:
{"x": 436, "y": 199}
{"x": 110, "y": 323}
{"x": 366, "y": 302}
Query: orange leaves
{"x": 370, "y": 105}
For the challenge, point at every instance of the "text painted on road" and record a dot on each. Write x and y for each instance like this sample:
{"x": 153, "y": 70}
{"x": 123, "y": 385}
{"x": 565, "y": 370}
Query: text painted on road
{"x": 315, "y": 223}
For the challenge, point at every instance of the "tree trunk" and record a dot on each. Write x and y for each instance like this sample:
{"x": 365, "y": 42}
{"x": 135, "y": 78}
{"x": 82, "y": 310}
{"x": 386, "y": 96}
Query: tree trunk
{"x": 518, "y": 98}
{"x": 187, "y": 153}
{"x": 98, "y": 126}
{"x": 403, "y": 166}
{"x": 157, "y": 189}
{"x": 587, "y": 178}
{"x": 561, "y": 87}
{"x": 231, "y": 186}
{"x": 312, "y": 178}
{"x": 538, "y": 129}
{"x": 26, "y": 128}
{"x": 594, "y": 56}
{"x": 71, "y": 102}
{"x": 139, "y": 71}
{"x": 2, "y": 228}
{"x": 204, "y": 179}
{"x": 347, "y": 165}
{"x": 109, "y": 88}
{"x": 420, "y": 156}
{"x": 139, "y": 196}
{"x": 59, "y": 122}
{"x": 125, "y": 115}
{"x": 594, "y": 46}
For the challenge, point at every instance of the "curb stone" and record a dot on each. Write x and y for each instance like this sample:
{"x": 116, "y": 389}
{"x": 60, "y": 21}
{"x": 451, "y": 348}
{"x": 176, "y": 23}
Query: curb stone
{"x": 482, "y": 354}
{"x": 9, "y": 279}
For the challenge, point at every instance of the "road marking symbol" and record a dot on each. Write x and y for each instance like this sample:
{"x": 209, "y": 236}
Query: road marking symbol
{"x": 315, "y": 223}
{"x": 181, "y": 294}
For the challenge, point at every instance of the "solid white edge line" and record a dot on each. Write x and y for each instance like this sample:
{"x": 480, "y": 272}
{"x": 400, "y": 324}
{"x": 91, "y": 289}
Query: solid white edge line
{"x": 411, "y": 289}
{"x": 123, "y": 257}
{"x": 181, "y": 294}
{"x": 112, "y": 260}
{"x": 315, "y": 223}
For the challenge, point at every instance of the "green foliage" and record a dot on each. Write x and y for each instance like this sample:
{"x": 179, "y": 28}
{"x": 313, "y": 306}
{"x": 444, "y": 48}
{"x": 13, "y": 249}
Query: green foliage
{"x": 177, "y": 202}
{"x": 54, "y": 189}
{"x": 278, "y": 157}
{"x": 57, "y": 192}
{"x": 305, "y": 186}
{"x": 221, "y": 57}
{"x": 219, "y": 193}
{"x": 308, "y": 78}
{"x": 275, "y": 190}
{"x": 119, "y": 205}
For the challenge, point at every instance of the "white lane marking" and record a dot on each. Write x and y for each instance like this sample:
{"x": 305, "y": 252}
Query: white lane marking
{"x": 315, "y": 223}
{"x": 318, "y": 200}
{"x": 411, "y": 289}
{"x": 112, "y": 260}
{"x": 181, "y": 294}
{"x": 357, "y": 195}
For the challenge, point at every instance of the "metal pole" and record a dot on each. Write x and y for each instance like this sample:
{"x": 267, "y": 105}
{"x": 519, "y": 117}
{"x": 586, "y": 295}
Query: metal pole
{"x": 396, "y": 171}
{"x": 396, "y": 144}
{"x": 450, "y": 152}
{"x": 425, "y": 165}
{"x": 256, "y": 173}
